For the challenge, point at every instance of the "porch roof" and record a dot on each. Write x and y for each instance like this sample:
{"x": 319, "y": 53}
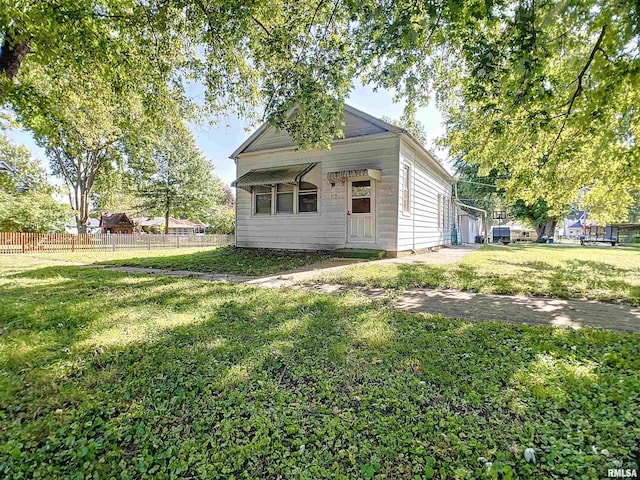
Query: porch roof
{"x": 273, "y": 175}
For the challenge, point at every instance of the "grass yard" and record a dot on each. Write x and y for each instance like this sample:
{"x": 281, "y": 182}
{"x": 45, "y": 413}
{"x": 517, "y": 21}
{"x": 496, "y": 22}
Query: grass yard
{"x": 217, "y": 260}
{"x": 105, "y": 375}
{"x": 604, "y": 274}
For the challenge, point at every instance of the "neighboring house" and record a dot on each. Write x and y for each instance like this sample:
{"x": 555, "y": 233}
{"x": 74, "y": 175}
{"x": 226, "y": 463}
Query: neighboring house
{"x": 575, "y": 229}
{"x": 176, "y": 226}
{"x": 116, "y": 223}
{"x": 377, "y": 188}
{"x": 573, "y": 225}
{"x": 149, "y": 224}
{"x": 93, "y": 226}
{"x": 521, "y": 233}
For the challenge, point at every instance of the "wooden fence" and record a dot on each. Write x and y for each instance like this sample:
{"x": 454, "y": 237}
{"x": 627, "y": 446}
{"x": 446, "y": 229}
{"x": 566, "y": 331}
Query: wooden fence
{"x": 66, "y": 242}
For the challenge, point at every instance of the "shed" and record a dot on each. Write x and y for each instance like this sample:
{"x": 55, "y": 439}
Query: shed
{"x": 116, "y": 223}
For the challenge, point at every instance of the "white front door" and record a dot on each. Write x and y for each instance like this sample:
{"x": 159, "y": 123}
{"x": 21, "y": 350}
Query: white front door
{"x": 361, "y": 208}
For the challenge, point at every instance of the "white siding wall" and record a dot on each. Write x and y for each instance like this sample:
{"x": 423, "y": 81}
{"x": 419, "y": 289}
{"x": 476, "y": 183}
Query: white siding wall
{"x": 327, "y": 229}
{"x": 419, "y": 228}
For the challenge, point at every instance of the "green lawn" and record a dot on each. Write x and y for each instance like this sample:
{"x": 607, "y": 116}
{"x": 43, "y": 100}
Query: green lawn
{"x": 217, "y": 260}
{"x": 105, "y": 375}
{"x": 596, "y": 273}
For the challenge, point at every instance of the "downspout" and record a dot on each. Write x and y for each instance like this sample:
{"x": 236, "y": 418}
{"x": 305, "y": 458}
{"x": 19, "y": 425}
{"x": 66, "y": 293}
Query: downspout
{"x": 412, "y": 197}
{"x": 484, "y": 213}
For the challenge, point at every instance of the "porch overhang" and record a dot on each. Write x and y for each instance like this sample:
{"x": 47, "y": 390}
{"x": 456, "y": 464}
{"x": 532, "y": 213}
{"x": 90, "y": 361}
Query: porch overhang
{"x": 374, "y": 173}
{"x": 275, "y": 175}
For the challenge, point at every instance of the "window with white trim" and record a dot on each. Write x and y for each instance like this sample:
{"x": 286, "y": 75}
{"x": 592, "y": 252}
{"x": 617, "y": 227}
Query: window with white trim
{"x": 447, "y": 212}
{"x": 262, "y": 203}
{"x": 405, "y": 189}
{"x": 281, "y": 199}
{"x": 307, "y": 197}
{"x": 284, "y": 198}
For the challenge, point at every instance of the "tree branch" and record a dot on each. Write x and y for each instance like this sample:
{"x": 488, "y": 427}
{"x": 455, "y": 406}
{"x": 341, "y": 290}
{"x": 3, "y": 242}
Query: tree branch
{"x": 261, "y": 25}
{"x": 12, "y": 54}
{"x": 579, "y": 88}
{"x": 304, "y": 46}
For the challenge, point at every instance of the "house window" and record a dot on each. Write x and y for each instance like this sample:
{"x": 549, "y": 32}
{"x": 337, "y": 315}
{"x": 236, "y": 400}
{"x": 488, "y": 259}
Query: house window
{"x": 361, "y": 196}
{"x": 441, "y": 211}
{"x": 284, "y": 198}
{"x": 263, "y": 194}
{"x": 447, "y": 213}
{"x": 405, "y": 189}
{"x": 307, "y": 197}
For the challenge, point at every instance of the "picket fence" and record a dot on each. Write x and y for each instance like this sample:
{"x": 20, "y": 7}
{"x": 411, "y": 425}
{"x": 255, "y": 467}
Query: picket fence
{"x": 66, "y": 242}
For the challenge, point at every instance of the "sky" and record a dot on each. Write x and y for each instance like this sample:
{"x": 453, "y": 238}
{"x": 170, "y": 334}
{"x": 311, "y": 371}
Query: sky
{"x": 217, "y": 142}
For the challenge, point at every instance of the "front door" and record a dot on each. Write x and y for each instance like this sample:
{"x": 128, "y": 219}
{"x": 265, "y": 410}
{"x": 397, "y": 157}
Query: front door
{"x": 361, "y": 207}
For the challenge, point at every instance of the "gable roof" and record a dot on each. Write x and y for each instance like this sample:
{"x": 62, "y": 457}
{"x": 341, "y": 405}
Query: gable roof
{"x": 367, "y": 125}
{"x": 159, "y": 222}
{"x": 110, "y": 220}
{"x": 357, "y": 123}
{"x": 576, "y": 215}
{"x": 4, "y": 167}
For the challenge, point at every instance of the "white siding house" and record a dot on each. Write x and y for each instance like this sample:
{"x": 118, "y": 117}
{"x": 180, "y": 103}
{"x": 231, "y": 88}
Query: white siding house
{"x": 376, "y": 188}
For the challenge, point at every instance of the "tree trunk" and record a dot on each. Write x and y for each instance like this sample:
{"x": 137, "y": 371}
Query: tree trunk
{"x": 546, "y": 229}
{"x": 12, "y": 54}
{"x": 82, "y": 226}
{"x": 82, "y": 208}
{"x": 550, "y": 227}
{"x": 166, "y": 218}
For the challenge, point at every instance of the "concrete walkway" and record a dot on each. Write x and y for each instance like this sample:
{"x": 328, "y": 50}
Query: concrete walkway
{"x": 572, "y": 313}
{"x": 556, "y": 312}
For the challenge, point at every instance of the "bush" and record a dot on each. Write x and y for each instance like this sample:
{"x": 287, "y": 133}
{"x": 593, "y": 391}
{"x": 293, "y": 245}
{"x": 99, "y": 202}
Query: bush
{"x": 223, "y": 221}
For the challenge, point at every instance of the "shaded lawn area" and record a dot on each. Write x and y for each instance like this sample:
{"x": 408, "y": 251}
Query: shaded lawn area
{"x": 104, "y": 374}
{"x": 566, "y": 272}
{"x": 216, "y": 260}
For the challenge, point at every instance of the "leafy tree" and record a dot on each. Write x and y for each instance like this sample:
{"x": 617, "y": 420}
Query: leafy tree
{"x": 544, "y": 93}
{"x": 114, "y": 191}
{"x": 414, "y": 127}
{"x": 536, "y": 215}
{"x": 26, "y": 197}
{"x": 80, "y": 137}
{"x": 176, "y": 179}
{"x": 483, "y": 192}
{"x": 223, "y": 220}
{"x": 87, "y": 124}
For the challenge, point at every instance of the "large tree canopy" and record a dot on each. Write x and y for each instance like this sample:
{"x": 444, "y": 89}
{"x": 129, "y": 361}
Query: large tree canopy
{"x": 546, "y": 95}
{"x": 544, "y": 92}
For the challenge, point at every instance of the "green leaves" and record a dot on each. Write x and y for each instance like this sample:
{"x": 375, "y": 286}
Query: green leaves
{"x": 546, "y": 92}
{"x": 523, "y": 105}
{"x": 173, "y": 178}
{"x": 26, "y": 197}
